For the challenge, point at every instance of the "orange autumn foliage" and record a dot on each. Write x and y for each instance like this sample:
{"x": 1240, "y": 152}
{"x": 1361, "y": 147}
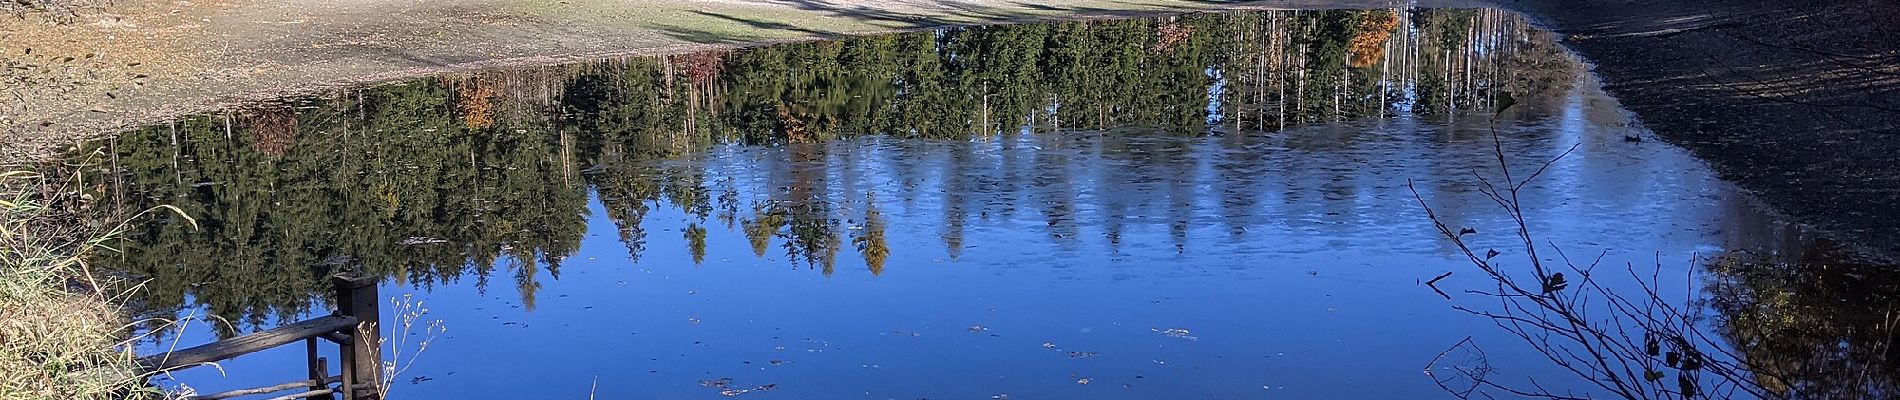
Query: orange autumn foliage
{"x": 1169, "y": 35}
{"x": 474, "y": 100}
{"x": 1369, "y": 45}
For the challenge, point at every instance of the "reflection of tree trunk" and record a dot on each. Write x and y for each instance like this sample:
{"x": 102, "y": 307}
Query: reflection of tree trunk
{"x": 1240, "y": 75}
{"x": 567, "y": 158}
{"x": 702, "y": 71}
{"x": 1450, "y": 90}
{"x": 1055, "y": 118}
{"x": 177, "y": 175}
{"x": 1279, "y": 72}
{"x": 1385, "y": 74}
{"x": 1260, "y": 75}
{"x": 983, "y": 127}
{"x": 1339, "y": 90}
{"x": 1416, "y": 46}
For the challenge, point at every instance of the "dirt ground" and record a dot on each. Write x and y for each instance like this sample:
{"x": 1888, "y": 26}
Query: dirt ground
{"x": 144, "y": 60}
{"x": 1797, "y": 101}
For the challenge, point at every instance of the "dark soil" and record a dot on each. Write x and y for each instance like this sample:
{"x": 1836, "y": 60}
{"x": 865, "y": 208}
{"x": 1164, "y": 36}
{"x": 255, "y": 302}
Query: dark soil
{"x": 1797, "y": 101}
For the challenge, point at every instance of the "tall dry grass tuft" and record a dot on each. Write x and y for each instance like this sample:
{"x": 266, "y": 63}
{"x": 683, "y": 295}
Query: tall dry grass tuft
{"x": 62, "y": 336}
{"x": 398, "y": 354}
{"x": 55, "y": 344}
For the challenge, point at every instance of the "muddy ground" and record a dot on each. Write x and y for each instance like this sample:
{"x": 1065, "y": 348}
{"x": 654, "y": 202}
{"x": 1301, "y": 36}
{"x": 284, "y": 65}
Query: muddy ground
{"x": 1795, "y": 100}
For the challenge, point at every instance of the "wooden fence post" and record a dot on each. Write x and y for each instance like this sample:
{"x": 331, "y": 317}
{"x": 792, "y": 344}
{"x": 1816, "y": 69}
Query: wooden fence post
{"x": 315, "y": 365}
{"x": 356, "y": 296}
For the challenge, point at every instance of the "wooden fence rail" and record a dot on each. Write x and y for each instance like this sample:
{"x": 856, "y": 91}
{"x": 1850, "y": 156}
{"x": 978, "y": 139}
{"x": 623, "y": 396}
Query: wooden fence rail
{"x": 353, "y": 328}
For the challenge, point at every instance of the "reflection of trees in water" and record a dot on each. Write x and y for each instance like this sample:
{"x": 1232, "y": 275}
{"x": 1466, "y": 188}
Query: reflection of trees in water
{"x": 474, "y": 175}
{"x": 273, "y": 130}
{"x": 1815, "y": 322}
{"x": 366, "y": 173}
{"x": 870, "y": 239}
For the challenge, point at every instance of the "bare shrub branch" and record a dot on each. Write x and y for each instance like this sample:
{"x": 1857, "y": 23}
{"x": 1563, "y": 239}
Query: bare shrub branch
{"x": 1628, "y": 343}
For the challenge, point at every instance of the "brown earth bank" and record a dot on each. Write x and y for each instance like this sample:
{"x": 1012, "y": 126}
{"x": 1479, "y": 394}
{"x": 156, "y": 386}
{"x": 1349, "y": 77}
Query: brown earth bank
{"x": 1794, "y": 100}
{"x": 1797, "y": 101}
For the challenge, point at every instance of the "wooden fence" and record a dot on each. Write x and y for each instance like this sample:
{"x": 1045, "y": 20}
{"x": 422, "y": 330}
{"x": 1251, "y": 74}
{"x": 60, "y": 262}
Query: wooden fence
{"x": 354, "y": 328}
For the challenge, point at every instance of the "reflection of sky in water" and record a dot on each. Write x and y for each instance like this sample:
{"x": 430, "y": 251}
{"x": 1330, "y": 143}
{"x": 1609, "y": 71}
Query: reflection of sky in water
{"x": 1293, "y": 258}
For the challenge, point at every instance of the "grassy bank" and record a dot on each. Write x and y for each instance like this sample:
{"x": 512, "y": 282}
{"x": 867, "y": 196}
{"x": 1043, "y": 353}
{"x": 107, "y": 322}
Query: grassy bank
{"x": 60, "y": 337}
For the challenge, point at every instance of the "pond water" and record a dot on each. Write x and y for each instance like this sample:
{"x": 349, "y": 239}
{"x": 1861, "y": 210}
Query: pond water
{"x": 1215, "y": 205}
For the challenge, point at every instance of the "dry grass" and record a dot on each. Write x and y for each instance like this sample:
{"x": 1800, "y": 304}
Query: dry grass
{"x": 58, "y": 345}
{"x": 60, "y": 338}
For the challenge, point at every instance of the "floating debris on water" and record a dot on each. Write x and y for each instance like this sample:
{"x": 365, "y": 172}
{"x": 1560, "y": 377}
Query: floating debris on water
{"x": 1083, "y": 354}
{"x": 978, "y": 329}
{"x": 1048, "y": 345}
{"x": 1175, "y": 333}
{"x": 1084, "y": 381}
{"x": 726, "y": 389}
